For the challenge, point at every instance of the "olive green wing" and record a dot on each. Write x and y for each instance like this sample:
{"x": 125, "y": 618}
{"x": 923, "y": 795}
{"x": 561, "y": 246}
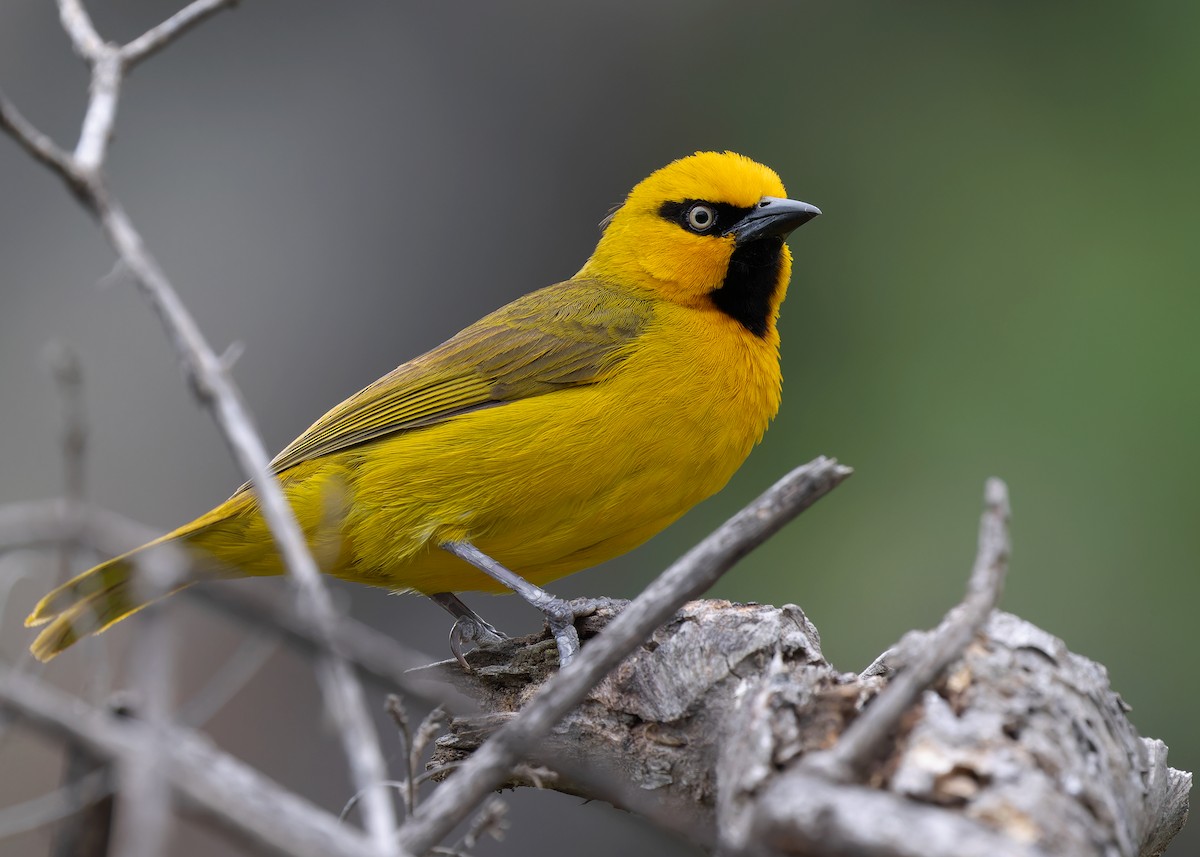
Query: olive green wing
{"x": 565, "y": 335}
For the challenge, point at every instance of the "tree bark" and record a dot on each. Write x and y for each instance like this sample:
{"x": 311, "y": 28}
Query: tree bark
{"x": 1018, "y": 748}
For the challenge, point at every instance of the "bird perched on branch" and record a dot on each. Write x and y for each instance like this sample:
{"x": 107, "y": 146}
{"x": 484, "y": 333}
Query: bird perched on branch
{"x": 562, "y": 430}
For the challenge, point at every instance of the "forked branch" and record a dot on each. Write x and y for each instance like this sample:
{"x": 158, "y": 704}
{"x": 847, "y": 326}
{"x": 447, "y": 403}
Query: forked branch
{"x": 83, "y": 173}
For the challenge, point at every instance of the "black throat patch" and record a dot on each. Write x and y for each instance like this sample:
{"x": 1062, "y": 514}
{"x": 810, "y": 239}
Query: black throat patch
{"x": 750, "y": 284}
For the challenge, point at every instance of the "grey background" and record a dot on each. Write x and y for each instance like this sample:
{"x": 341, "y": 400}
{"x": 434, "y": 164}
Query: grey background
{"x": 1004, "y": 283}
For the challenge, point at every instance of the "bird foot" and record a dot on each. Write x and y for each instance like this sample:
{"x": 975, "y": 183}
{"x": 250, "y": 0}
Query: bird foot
{"x": 470, "y": 632}
{"x": 561, "y": 615}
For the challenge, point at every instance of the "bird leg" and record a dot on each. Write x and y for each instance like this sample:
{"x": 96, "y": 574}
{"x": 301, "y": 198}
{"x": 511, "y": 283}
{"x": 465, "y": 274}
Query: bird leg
{"x": 559, "y": 614}
{"x": 469, "y": 627}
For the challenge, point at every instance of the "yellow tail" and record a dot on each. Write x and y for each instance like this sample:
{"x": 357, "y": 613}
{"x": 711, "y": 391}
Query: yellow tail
{"x": 89, "y": 604}
{"x": 221, "y": 544}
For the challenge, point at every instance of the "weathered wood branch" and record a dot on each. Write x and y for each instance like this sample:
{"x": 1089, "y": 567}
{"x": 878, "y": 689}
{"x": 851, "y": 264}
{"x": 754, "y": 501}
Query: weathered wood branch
{"x": 1022, "y": 748}
{"x": 648, "y": 737}
{"x": 985, "y": 736}
{"x": 687, "y": 577}
{"x": 209, "y": 783}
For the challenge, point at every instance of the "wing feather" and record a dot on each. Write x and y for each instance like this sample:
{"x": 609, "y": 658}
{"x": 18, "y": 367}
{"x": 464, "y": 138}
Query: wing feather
{"x": 566, "y": 335}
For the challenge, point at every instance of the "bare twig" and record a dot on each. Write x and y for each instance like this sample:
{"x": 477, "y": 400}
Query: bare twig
{"x": 394, "y": 706}
{"x": 213, "y": 784}
{"x": 85, "y": 803}
{"x": 697, "y": 570}
{"x": 104, "y": 60}
{"x": 38, "y": 145}
{"x": 836, "y": 818}
{"x": 377, "y": 655}
{"x": 96, "y": 131}
{"x": 860, "y": 744}
{"x": 143, "y": 800}
{"x": 156, "y": 38}
{"x": 86, "y": 829}
{"x": 109, "y": 64}
{"x": 343, "y": 694}
{"x": 395, "y": 785}
{"x": 49, "y": 523}
{"x": 54, "y": 806}
{"x": 212, "y": 384}
{"x": 491, "y": 820}
{"x": 79, "y": 27}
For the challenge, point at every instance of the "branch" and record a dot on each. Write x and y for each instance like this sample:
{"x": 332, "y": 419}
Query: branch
{"x": 693, "y": 573}
{"x": 861, "y": 744}
{"x": 50, "y": 523}
{"x": 82, "y": 790}
{"x": 343, "y": 694}
{"x": 830, "y": 821}
{"x": 210, "y": 379}
{"x": 1020, "y": 749}
{"x": 1024, "y": 749}
{"x": 38, "y": 145}
{"x": 647, "y": 737}
{"x": 214, "y": 784}
{"x": 79, "y": 27}
{"x": 156, "y": 38}
{"x": 144, "y": 817}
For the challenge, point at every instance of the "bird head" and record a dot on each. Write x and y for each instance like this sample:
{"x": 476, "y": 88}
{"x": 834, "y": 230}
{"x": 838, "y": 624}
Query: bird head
{"x": 706, "y": 230}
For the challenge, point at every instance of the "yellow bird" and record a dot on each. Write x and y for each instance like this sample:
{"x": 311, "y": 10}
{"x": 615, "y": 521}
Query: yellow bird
{"x": 562, "y": 430}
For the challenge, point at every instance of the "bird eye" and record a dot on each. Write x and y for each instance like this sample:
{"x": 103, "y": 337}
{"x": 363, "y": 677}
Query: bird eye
{"x": 700, "y": 217}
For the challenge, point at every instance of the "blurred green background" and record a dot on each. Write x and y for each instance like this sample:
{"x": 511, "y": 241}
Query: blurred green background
{"x": 1004, "y": 283}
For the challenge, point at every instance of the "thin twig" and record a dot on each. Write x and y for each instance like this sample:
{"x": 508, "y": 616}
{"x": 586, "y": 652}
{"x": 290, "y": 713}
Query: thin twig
{"x": 214, "y": 784}
{"x": 63, "y": 802}
{"x": 143, "y": 817}
{"x": 79, "y": 27}
{"x": 143, "y": 800}
{"x": 435, "y": 721}
{"x": 78, "y": 795}
{"x": 156, "y": 38}
{"x": 50, "y": 523}
{"x": 394, "y": 706}
{"x": 87, "y": 831}
{"x": 860, "y": 744}
{"x": 491, "y": 820}
{"x": 837, "y": 818}
{"x": 341, "y": 689}
{"x": 83, "y": 173}
{"x": 39, "y": 145}
{"x": 396, "y": 785}
{"x": 101, "y": 114}
{"x": 377, "y": 655}
{"x": 693, "y": 573}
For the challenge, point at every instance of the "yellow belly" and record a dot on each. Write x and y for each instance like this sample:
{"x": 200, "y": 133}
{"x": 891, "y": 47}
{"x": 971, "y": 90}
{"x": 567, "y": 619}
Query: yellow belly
{"x": 557, "y": 483}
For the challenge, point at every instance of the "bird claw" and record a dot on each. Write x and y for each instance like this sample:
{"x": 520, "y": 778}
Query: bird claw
{"x": 561, "y": 615}
{"x": 469, "y": 632}
{"x": 565, "y": 635}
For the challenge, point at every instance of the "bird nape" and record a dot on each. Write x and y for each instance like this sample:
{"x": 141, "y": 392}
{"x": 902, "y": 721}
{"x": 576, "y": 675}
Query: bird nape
{"x": 559, "y": 431}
